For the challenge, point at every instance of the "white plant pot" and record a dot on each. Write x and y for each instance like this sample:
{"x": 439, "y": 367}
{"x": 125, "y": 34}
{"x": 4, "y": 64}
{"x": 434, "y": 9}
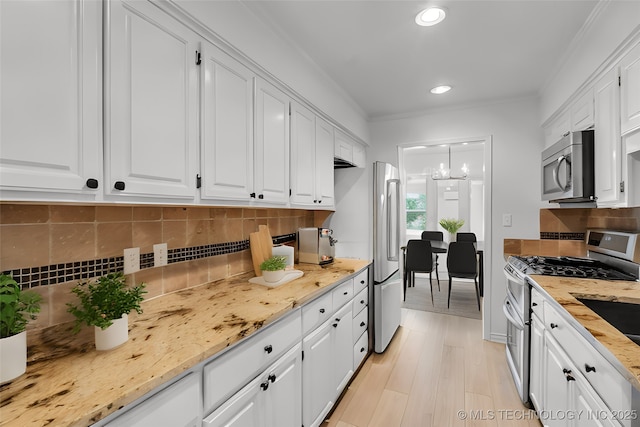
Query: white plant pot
{"x": 272, "y": 276}
{"x": 115, "y": 335}
{"x": 13, "y": 356}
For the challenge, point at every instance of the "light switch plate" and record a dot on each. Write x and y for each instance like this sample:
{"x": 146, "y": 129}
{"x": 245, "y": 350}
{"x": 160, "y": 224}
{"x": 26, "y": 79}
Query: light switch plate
{"x": 160, "y": 254}
{"x": 131, "y": 260}
{"x": 506, "y": 220}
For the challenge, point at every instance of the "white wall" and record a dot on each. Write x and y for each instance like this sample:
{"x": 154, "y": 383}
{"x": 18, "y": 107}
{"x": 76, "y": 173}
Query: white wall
{"x": 614, "y": 23}
{"x": 517, "y": 137}
{"x": 237, "y": 25}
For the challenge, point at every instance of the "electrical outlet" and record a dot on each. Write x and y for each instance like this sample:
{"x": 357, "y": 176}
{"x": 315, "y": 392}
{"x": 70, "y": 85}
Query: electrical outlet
{"x": 131, "y": 260}
{"x": 506, "y": 220}
{"x": 160, "y": 254}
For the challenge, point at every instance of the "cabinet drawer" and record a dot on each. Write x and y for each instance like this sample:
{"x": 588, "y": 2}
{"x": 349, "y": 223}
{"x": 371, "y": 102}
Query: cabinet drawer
{"x": 360, "y": 301}
{"x": 360, "y": 323}
{"x": 360, "y": 350}
{"x": 176, "y": 405}
{"x": 537, "y": 301}
{"x": 360, "y": 281}
{"x": 227, "y": 373}
{"x": 611, "y": 386}
{"x": 316, "y": 312}
{"x": 342, "y": 294}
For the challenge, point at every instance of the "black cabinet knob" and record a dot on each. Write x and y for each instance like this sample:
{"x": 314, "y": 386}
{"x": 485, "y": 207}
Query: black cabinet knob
{"x": 553, "y": 325}
{"x": 534, "y": 304}
{"x": 119, "y": 185}
{"x": 268, "y": 349}
{"x": 589, "y": 368}
{"x": 92, "y": 183}
{"x": 272, "y": 378}
{"x": 362, "y": 350}
{"x": 361, "y": 301}
{"x": 362, "y": 324}
{"x": 322, "y": 310}
{"x": 261, "y": 196}
{"x": 252, "y": 195}
{"x": 265, "y": 385}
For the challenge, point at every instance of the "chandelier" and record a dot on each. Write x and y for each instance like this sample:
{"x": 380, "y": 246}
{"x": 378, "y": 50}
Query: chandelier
{"x": 442, "y": 173}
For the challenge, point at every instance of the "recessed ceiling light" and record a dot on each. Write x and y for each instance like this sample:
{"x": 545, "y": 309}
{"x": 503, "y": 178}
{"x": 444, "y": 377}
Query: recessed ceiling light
{"x": 430, "y": 16}
{"x": 440, "y": 89}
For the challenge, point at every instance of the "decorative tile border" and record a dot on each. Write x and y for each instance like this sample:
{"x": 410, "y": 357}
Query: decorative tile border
{"x": 83, "y": 270}
{"x": 549, "y": 235}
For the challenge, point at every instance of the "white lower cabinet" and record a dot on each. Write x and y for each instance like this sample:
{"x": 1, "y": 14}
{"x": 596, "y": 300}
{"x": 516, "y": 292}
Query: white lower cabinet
{"x": 571, "y": 383}
{"x": 177, "y": 405}
{"x": 273, "y": 399}
{"x": 318, "y": 390}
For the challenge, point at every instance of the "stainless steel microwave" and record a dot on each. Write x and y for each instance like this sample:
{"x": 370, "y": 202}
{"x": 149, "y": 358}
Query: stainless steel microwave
{"x": 567, "y": 169}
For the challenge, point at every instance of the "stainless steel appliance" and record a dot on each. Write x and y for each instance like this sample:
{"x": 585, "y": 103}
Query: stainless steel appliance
{"x": 611, "y": 255}
{"x": 387, "y": 287}
{"x": 316, "y": 245}
{"x": 567, "y": 169}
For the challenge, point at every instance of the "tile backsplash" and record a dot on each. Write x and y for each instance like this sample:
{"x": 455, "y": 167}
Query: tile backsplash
{"x": 50, "y": 248}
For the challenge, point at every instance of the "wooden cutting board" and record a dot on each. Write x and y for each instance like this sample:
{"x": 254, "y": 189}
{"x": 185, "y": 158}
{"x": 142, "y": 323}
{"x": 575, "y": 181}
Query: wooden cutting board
{"x": 261, "y": 245}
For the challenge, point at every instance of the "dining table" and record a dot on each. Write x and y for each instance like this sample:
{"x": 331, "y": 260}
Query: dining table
{"x": 441, "y": 247}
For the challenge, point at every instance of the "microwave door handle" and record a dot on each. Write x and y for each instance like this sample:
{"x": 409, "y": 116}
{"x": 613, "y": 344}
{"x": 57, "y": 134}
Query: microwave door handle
{"x": 556, "y": 174}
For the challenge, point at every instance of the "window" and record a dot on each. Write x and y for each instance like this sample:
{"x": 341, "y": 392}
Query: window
{"x": 416, "y": 211}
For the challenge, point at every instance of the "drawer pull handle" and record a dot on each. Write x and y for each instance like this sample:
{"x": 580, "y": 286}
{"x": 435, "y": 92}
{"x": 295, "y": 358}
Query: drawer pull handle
{"x": 265, "y": 385}
{"x": 362, "y": 323}
{"x": 534, "y": 304}
{"x": 322, "y": 310}
{"x": 589, "y": 368}
{"x": 361, "y": 301}
{"x": 553, "y": 325}
{"x": 362, "y": 282}
{"x": 272, "y": 378}
{"x": 362, "y": 350}
{"x": 567, "y": 375}
{"x": 346, "y": 292}
{"x": 119, "y": 185}
{"x": 92, "y": 183}
{"x": 268, "y": 349}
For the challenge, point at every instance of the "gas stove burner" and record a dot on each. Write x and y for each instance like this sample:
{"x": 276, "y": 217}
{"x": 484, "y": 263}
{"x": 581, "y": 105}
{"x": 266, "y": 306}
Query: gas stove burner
{"x": 573, "y": 267}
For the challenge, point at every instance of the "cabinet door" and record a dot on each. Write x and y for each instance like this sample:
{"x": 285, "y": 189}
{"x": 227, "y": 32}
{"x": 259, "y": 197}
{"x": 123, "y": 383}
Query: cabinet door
{"x": 536, "y": 369}
{"x": 151, "y": 86}
{"x": 630, "y": 90}
{"x": 51, "y": 115}
{"x": 324, "y": 163}
{"x": 557, "y": 388}
{"x": 342, "y": 347}
{"x": 303, "y": 156}
{"x": 582, "y": 114}
{"x": 607, "y": 149}
{"x": 243, "y": 409}
{"x": 272, "y": 144}
{"x": 318, "y": 390}
{"x": 283, "y": 401}
{"x": 178, "y": 405}
{"x": 227, "y": 115}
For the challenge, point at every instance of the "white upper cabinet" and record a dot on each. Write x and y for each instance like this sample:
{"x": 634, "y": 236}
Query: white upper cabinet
{"x": 555, "y": 130}
{"x": 324, "y": 163}
{"x": 51, "y": 100}
{"x": 151, "y": 103}
{"x": 303, "y": 148}
{"x": 312, "y": 147}
{"x": 343, "y": 147}
{"x": 630, "y": 91}
{"x": 227, "y": 130}
{"x": 271, "y": 144}
{"x": 582, "y": 115}
{"x": 607, "y": 145}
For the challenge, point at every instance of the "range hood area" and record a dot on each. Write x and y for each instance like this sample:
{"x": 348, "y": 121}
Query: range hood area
{"x": 339, "y": 163}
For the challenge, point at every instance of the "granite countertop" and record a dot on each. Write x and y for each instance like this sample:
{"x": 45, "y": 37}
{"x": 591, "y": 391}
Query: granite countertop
{"x": 68, "y": 384}
{"x": 565, "y": 291}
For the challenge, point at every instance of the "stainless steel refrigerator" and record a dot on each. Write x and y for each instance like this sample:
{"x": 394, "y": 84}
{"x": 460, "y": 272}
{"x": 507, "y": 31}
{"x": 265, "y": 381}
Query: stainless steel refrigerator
{"x": 387, "y": 286}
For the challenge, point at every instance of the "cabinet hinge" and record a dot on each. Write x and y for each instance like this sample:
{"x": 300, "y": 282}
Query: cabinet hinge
{"x": 622, "y": 186}
{"x": 198, "y": 58}
{"x": 198, "y": 181}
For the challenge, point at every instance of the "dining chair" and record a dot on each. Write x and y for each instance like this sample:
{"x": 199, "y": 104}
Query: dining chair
{"x": 419, "y": 259}
{"x": 466, "y": 237}
{"x": 436, "y": 236}
{"x": 463, "y": 264}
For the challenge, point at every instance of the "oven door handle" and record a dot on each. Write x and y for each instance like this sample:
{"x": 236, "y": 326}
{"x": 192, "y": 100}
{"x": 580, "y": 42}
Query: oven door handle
{"x": 506, "y": 308}
{"x": 511, "y": 277}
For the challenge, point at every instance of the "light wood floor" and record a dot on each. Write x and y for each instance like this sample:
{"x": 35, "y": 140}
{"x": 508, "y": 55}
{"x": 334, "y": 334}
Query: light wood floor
{"x": 436, "y": 371}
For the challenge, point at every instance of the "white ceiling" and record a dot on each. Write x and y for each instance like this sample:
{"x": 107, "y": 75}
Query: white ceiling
{"x": 486, "y": 50}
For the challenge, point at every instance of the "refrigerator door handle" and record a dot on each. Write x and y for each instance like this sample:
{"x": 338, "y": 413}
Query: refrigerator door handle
{"x": 393, "y": 245}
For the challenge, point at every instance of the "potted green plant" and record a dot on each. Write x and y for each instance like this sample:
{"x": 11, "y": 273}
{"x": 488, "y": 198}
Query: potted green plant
{"x": 17, "y": 307}
{"x": 273, "y": 268}
{"x": 452, "y": 225}
{"x": 106, "y": 305}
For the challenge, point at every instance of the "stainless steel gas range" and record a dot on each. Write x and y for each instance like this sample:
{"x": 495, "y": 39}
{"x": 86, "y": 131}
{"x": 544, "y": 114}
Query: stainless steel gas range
{"x": 611, "y": 255}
